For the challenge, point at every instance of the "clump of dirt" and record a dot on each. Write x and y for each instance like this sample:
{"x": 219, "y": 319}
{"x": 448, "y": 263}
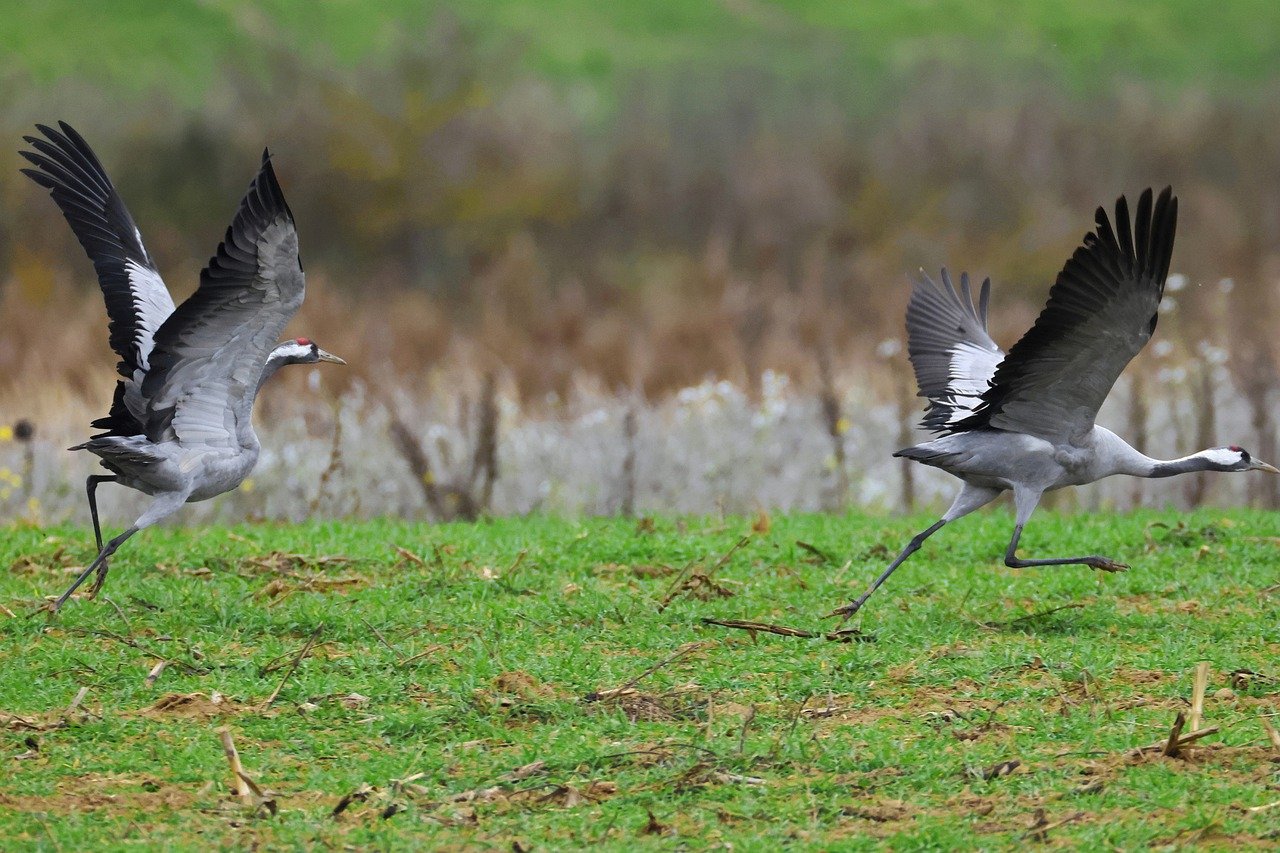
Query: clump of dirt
{"x": 522, "y": 684}
{"x": 190, "y": 705}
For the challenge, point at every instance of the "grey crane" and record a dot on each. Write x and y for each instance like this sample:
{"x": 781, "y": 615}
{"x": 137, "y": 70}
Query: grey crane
{"x": 1024, "y": 422}
{"x": 179, "y": 428}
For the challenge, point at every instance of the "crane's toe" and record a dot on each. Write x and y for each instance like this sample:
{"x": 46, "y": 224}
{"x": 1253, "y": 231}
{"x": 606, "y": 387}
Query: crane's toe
{"x": 1106, "y": 564}
{"x": 98, "y": 579}
{"x": 848, "y": 610}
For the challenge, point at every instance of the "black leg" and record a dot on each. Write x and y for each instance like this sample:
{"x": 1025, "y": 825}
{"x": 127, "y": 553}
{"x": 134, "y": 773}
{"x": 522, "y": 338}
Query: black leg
{"x": 912, "y": 546}
{"x": 91, "y": 489}
{"x": 95, "y": 566}
{"x": 1012, "y": 560}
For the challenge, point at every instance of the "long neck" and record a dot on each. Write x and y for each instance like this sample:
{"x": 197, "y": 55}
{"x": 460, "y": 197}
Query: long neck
{"x": 275, "y": 361}
{"x": 1184, "y": 465}
{"x": 1120, "y": 458}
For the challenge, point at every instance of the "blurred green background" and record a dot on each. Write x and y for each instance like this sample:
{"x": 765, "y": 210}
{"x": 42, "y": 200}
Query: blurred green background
{"x": 645, "y": 194}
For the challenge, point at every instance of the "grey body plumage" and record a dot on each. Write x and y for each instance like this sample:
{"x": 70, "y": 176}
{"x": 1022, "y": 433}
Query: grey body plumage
{"x": 1024, "y": 422}
{"x": 180, "y": 425}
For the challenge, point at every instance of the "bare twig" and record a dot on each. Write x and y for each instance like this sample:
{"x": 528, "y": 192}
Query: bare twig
{"x": 684, "y": 580}
{"x": 739, "y": 778}
{"x": 239, "y": 780}
{"x": 123, "y": 618}
{"x": 1171, "y": 745}
{"x": 686, "y": 649}
{"x": 846, "y": 635}
{"x": 75, "y": 703}
{"x": 383, "y": 640}
{"x": 1199, "y": 686}
{"x": 154, "y": 674}
{"x": 1073, "y": 606}
{"x": 815, "y": 551}
{"x": 406, "y": 554}
{"x": 297, "y": 660}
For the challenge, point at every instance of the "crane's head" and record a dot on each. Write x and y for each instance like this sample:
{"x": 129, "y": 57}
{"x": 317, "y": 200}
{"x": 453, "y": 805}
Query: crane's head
{"x": 301, "y": 351}
{"x": 1235, "y": 458}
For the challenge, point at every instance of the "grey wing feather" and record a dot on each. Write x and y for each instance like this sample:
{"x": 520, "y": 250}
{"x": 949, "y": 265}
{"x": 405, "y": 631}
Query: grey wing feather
{"x": 953, "y": 356}
{"x": 1101, "y": 312}
{"x": 136, "y": 297}
{"x": 209, "y": 355}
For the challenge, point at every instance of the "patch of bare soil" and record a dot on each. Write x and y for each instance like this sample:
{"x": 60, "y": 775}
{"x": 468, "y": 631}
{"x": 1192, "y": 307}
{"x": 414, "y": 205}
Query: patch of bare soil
{"x": 111, "y": 793}
{"x": 203, "y": 705}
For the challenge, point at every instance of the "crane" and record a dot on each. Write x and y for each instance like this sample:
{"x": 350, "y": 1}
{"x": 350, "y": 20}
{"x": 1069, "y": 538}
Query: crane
{"x": 179, "y": 428}
{"x": 1024, "y": 422}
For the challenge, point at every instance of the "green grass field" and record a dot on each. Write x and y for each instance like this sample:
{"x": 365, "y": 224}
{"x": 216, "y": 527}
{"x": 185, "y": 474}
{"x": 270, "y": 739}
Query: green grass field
{"x": 517, "y": 685}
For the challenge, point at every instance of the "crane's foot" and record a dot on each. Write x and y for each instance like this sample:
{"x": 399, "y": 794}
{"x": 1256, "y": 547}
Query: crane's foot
{"x": 99, "y": 578}
{"x": 849, "y": 609}
{"x": 1106, "y": 564}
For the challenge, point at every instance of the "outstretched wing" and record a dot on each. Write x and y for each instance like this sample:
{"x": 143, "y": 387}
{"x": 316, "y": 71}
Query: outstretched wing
{"x": 137, "y": 300}
{"x": 953, "y": 356}
{"x": 1101, "y": 312}
{"x": 209, "y": 355}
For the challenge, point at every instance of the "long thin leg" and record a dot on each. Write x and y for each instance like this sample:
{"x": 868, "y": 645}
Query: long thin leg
{"x": 969, "y": 499}
{"x": 100, "y": 560}
{"x": 164, "y": 505}
{"x": 912, "y": 546}
{"x": 1026, "y": 502}
{"x": 91, "y": 489}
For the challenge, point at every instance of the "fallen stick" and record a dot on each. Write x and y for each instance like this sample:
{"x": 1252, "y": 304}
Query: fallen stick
{"x": 311, "y": 641}
{"x": 845, "y": 635}
{"x": 154, "y": 674}
{"x": 241, "y": 785}
{"x": 1200, "y": 685}
{"x": 1173, "y": 744}
{"x": 1030, "y": 616}
{"x": 75, "y": 703}
{"x": 815, "y": 551}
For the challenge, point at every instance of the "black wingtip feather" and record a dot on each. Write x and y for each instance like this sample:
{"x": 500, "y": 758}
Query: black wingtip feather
{"x": 66, "y": 166}
{"x": 1141, "y": 263}
{"x": 263, "y": 204}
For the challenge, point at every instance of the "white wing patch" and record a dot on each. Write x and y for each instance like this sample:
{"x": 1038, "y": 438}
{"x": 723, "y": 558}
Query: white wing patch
{"x": 152, "y": 305}
{"x": 971, "y": 370}
{"x": 972, "y": 367}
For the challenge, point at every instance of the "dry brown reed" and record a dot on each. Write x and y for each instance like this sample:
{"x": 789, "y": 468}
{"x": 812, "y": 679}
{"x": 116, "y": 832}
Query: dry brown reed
{"x": 460, "y": 220}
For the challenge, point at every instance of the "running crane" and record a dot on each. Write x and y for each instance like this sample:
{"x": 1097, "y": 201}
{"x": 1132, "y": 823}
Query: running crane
{"x": 1024, "y": 422}
{"x": 180, "y": 425}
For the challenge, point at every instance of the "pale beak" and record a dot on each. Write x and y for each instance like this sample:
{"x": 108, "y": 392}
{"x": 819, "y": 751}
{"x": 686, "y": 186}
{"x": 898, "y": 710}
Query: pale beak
{"x": 1258, "y": 465}
{"x": 330, "y": 357}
